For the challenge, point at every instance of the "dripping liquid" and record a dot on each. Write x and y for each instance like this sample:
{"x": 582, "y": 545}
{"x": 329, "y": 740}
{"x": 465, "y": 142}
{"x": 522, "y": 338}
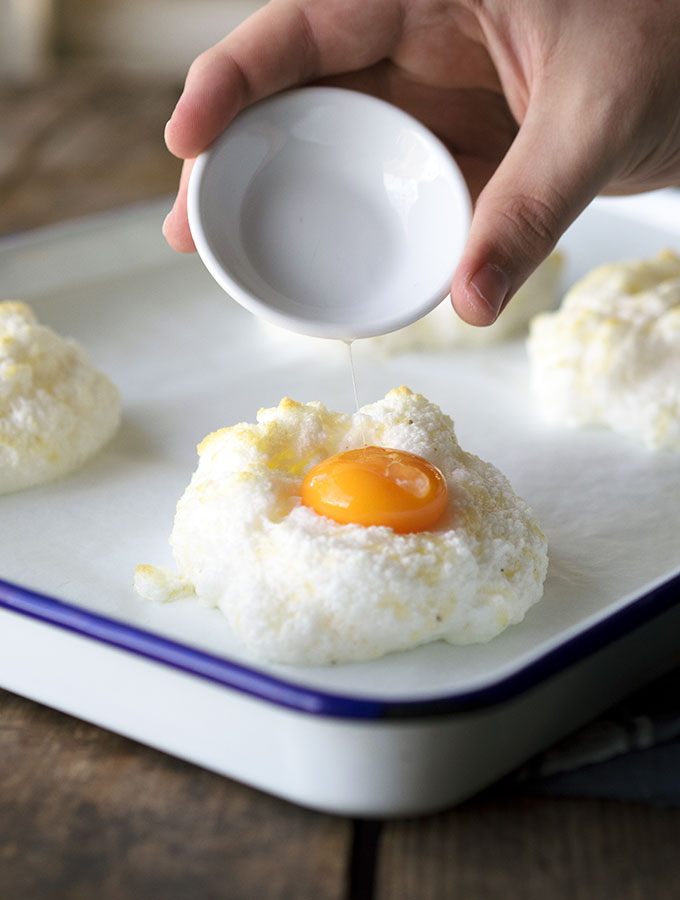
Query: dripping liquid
{"x": 354, "y": 388}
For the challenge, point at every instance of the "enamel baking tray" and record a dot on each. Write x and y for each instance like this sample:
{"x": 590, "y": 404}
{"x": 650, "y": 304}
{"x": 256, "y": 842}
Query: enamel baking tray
{"x": 410, "y": 733}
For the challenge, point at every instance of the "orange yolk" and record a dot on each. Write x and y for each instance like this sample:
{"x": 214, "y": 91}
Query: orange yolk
{"x": 377, "y": 486}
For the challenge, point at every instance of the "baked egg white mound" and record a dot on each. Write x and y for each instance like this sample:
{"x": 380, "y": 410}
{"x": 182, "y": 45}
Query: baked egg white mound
{"x": 611, "y": 354}
{"x": 56, "y": 409}
{"x": 300, "y": 588}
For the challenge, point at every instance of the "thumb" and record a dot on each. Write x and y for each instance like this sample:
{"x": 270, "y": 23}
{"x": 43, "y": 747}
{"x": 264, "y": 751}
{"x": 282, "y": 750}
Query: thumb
{"x": 546, "y": 179}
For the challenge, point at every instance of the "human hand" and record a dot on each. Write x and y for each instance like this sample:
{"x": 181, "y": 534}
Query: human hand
{"x": 544, "y": 104}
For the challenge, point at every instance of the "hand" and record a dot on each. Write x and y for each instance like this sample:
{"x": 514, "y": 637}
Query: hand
{"x": 543, "y": 103}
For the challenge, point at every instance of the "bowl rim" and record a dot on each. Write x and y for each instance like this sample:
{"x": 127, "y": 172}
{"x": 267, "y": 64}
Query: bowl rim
{"x": 236, "y": 289}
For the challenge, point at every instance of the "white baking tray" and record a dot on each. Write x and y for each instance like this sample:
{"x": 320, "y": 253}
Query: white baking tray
{"x": 409, "y": 733}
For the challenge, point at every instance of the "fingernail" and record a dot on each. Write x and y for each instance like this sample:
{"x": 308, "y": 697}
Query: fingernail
{"x": 165, "y": 130}
{"x": 491, "y": 285}
{"x": 165, "y": 222}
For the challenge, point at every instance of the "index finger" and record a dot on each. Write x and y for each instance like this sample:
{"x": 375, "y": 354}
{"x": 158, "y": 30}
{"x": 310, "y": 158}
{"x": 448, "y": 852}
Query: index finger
{"x": 283, "y": 44}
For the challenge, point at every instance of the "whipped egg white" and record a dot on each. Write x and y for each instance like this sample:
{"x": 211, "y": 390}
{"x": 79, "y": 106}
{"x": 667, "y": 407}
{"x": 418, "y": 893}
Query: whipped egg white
{"x": 56, "y": 409}
{"x": 300, "y": 588}
{"x": 611, "y": 354}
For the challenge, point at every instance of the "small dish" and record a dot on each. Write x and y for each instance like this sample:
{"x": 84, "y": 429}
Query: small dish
{"x": 330, "y": 213}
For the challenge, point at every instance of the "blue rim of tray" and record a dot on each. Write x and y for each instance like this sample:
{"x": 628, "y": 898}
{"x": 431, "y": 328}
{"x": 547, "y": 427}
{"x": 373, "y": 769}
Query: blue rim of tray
{"x": 280, "y": 692}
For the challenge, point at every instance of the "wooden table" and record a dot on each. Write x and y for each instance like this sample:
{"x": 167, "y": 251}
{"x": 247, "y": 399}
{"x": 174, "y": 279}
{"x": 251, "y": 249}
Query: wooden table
{"x": 88, "y": 814}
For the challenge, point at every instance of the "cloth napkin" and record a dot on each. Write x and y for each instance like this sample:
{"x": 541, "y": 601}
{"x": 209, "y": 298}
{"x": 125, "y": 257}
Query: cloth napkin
{"x": 631, "y": 753}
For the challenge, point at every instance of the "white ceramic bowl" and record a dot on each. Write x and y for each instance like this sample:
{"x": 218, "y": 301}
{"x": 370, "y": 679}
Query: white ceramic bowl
{"x": 330, "y": 213}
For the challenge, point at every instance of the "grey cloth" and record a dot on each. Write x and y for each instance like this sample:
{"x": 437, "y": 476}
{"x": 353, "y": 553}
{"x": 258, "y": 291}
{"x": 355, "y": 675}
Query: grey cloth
{"x": 631, "y": 753}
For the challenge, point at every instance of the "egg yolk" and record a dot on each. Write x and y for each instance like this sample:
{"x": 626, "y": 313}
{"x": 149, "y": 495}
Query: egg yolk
{"x": 377, "y": 486}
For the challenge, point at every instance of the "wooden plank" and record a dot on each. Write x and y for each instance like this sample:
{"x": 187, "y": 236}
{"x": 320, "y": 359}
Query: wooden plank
{"x": 84, "y": 141}
{"x": 499, "y": 846}
{"x": 85, "y": 813}
{"x": 154, "y": 36}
